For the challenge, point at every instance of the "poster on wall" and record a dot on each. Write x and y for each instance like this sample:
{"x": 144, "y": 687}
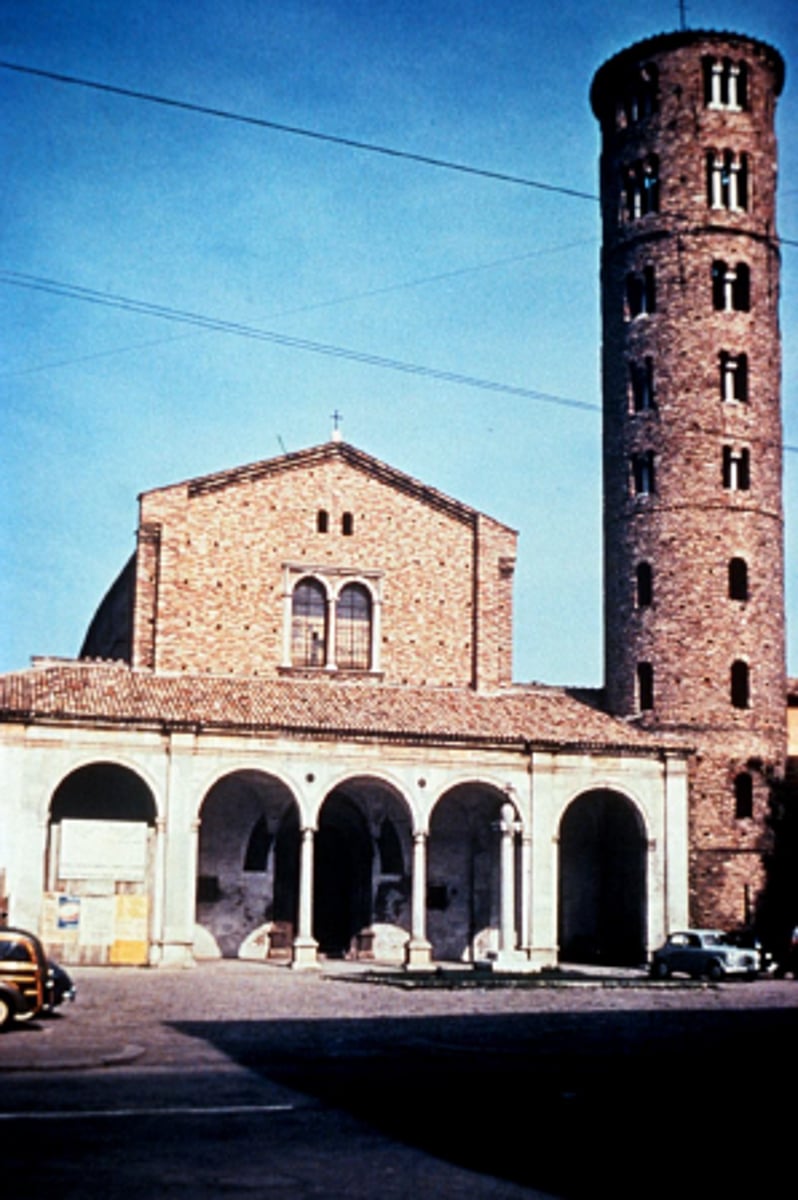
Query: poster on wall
{"x": 130, "y": 942}
{"x": 114, "y": 850}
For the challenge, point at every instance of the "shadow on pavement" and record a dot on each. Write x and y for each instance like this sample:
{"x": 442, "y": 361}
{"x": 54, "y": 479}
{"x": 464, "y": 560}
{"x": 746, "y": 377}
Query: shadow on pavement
{"x": 632, "y": 1104}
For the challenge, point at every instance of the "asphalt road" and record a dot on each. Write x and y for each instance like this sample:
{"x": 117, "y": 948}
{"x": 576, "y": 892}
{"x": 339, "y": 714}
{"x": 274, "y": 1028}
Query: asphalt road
{"x": 238, "y": 1078}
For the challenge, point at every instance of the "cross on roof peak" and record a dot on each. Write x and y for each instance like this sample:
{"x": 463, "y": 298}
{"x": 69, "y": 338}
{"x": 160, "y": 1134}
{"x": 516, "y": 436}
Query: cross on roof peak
{"x": 337, "y": 417}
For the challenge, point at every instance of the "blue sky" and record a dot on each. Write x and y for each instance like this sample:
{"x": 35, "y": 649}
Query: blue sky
{"x": 314, "y": 241}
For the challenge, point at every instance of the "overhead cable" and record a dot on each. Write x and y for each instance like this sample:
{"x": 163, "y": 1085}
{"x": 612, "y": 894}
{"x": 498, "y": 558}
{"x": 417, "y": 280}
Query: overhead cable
{"x": 297, "y": 131}
{"x": 145, "y": 308}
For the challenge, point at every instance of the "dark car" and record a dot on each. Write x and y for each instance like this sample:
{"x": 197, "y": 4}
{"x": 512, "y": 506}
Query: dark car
{"x": 59, "y": 986}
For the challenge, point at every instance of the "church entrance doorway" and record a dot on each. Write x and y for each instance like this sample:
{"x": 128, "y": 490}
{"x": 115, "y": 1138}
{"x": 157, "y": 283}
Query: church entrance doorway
{"x": 602, "y": 901}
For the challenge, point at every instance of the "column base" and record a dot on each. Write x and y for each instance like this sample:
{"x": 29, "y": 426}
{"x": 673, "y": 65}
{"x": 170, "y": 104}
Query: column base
{"x": 172, "y": 954}
{"x": 517, "y": 961}
{"x": 305, "y": 954}
{"x": 418, "y": 954}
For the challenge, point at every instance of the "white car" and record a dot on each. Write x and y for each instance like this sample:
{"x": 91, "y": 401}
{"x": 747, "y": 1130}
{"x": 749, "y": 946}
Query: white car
{"x": 703, "y": 953}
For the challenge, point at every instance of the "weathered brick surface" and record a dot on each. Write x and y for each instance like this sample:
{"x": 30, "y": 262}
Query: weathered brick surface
{"x": 691, "y": 526}
{"x": 211, "y": 584}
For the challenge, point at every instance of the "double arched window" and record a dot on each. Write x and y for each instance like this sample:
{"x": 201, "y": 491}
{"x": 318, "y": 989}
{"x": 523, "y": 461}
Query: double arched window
{"x": 333, "y": 630}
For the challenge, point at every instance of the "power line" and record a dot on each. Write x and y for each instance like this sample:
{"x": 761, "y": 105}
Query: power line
{"x": 297, "y": 131}
{"x": 215, "y": 324}
{"x": 164, "y": 312}
{"x": 440, "y": 277}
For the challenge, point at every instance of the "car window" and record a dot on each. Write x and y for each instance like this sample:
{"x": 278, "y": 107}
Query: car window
{"x": 15, "y": 952}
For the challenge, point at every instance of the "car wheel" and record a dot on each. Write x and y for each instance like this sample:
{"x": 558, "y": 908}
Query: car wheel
{"x": 714, "y": 970}
{"x": 660, "y": 970}
{"x": 6, "y": 1012}
{"x": 26, "y": 1015}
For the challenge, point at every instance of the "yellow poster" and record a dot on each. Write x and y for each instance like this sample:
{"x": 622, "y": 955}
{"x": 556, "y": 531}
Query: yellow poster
{"x": 130, "y": 943}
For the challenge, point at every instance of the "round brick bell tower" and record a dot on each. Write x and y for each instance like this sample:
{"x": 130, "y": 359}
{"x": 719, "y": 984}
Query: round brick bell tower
{"x": 693, "y": 524}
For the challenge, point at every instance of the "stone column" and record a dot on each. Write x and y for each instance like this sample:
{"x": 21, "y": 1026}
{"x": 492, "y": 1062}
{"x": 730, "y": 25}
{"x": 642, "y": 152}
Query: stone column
{"x": 418, "y": 952}
{"x": 305, "y": 945}
{"x": 509, "y": 957}
{"x": 526, "y": 889}
{"x": 507, "y": 880}
{"x": 332, "y": 635}
{"x": 158, "y": 888}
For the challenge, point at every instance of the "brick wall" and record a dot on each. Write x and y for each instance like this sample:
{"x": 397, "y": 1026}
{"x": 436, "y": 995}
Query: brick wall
{"x": 217, "y": 556}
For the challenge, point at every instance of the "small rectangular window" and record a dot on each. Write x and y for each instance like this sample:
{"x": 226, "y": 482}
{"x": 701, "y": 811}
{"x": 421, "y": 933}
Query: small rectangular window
{"x": 645, "y": 686}
{"x": 743, "y": 796}
{"x": 738, "y": 579}
{"x": 643, "y": 474}
{"x": 740, "y": 685}
{"x": 347, "y": 524}
{"x": 645, "y": 585}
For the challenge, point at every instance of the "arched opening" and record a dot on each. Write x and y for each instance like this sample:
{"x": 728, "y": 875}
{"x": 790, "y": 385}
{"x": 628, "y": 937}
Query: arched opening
{"x": 463, "y": 875}
{"x": 99, "y": 866}
{"x": 309, "y": 624}
{"x": 342, "y": 888}
{"x": 361, "y": 889}
{"x": 247, "y": 874}
{"x": 602, "y": 901}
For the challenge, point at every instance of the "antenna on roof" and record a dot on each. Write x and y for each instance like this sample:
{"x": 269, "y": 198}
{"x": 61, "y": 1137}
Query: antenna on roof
{"x": 337, "y": 417}
{"x": 281, "y": 444}
{"x": 682, "y": 14}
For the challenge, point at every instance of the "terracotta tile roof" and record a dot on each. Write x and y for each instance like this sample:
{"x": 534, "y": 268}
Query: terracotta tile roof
{"x": 113, "y": 693}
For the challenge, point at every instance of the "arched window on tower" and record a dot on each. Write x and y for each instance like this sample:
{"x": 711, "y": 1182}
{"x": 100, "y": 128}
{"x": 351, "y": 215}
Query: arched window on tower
{"x": 308, "y": 624}
{"x": 641, "y": 187}
{"x": 641, "y": 294}
{"x": 725, "y": 84}
{"x": 731, "y": 287}
{"x": 639, "y": 96}
{"x": 740, "y": 684}
{"x": 353, "y": 623}
{"x": 738, "y": 579}
{"x": 733, "y": 376}
{"x": 643, "y": 473}
{"x": 736, "y": 469}
{"x": 727, "y": 180}
{"x": 641, "y": 386}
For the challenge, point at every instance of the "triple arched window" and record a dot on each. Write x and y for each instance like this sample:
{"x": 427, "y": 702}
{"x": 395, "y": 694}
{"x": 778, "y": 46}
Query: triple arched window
{"x": 332, "y": 625}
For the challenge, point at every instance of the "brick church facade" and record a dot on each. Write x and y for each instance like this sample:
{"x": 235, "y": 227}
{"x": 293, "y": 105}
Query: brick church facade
{"x": 293, "y": 732}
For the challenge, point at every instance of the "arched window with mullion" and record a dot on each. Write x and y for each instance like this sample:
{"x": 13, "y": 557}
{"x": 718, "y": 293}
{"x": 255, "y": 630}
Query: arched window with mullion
{"x": 308, "y": 624}
{"x": 353, "y": 628}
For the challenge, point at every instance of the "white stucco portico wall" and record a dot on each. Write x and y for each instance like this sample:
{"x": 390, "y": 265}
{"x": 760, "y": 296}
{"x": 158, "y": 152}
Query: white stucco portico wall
{"x": 657, "y": 787}
{"x": 35, "y": 760}
{"x": 181, "y": 766}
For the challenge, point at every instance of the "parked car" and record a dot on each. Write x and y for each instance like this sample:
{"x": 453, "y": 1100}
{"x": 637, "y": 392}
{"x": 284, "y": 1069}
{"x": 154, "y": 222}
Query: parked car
{"x": 29, "y": 983}
{"x": 703, "y": 953}
{"x": 749, "y": 941}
